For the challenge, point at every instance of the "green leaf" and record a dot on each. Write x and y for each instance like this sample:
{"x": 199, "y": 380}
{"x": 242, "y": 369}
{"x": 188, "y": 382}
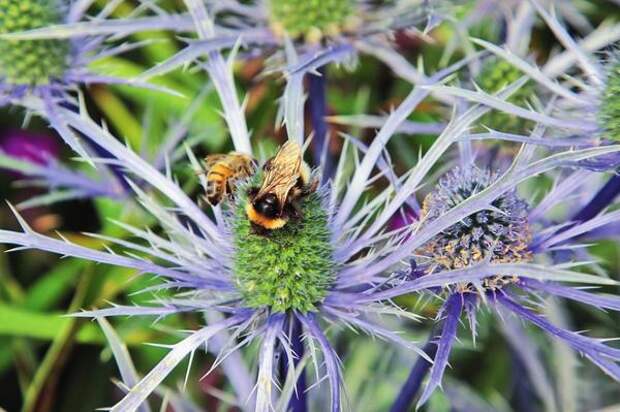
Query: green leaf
{"x": 52, "y": 287}
{"x": 15, "y": 321}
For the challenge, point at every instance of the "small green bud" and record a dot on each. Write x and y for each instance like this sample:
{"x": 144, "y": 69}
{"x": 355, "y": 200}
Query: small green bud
{"x": 609, "y": 113}
{"x": 496, "y": 75}
{"x": 311, "y": 19}
{"x": 31, "y": 62}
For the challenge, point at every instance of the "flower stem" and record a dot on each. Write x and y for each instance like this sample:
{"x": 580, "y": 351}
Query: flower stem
{"x": 298, "y": 401}
{"x": 420, "y": 369}
{"x": 600, "y": 201}
{"x": 317, "y": 105}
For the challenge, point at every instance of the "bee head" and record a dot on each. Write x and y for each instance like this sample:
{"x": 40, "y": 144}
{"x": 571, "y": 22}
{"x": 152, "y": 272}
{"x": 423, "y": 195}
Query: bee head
{"x": 267, "y": 205}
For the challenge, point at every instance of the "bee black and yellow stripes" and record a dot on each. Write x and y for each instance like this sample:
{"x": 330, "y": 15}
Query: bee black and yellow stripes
{"x": 222, "y": 172}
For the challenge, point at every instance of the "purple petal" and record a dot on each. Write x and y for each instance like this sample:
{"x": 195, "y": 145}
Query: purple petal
{"x": 452, "y": 310}
{"x": 606, "y": 302}
{"x": 178, "y": 352}
{"x": 603, "y": 163}
{"x": 32, "y": 240}
{"x": 602, "y": 199}
{"x": 264, "y": 385}
{"x": 312, "y": 62}
{"x": 527, "y": 352}
{"x": 331, "y": 359}
{"x": 593, "y": 348}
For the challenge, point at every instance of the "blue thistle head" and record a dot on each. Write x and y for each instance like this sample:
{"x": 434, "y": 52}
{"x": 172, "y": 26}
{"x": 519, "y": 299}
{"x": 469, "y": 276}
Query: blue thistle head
{"x": 290, "y": 268}
{"x": 311, "y": 19}
{"x": 498, "y": 235}
{"x": 609, "y": 113}
{"x": 31, "y": 62}
{"x": 495, "y": 75}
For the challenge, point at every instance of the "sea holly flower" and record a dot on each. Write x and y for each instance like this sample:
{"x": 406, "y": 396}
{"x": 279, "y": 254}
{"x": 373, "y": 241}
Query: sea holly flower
{"x": 548, "y": 79}
{"x": 41, "y": 74}
{"x": 311, "y": 20}
{"x": 31, "y": 63}
{"x": 220, "y": 264}
{"x": 509, "y": 231}
{"x": 498, "y": 235}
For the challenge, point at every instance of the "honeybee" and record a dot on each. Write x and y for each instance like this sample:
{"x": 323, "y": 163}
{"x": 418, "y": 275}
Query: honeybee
{"x": 223, "y": 170}
{"x": 287, "y": 180}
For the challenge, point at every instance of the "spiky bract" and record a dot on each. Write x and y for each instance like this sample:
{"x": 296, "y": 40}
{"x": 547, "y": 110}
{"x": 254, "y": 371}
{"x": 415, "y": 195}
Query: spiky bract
{"x": 285, "y": 269}
{"x": 498, "y": 235}
{"x": 31, "y": 62}
{"x": 609, "y": 114}
{"x": 311, "y": 19}
{"x": 496, "y": 74}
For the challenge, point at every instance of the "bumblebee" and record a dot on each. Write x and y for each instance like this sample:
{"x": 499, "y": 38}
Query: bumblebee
{"x": 223, "y": 170}
{"x": 286, "y": 182}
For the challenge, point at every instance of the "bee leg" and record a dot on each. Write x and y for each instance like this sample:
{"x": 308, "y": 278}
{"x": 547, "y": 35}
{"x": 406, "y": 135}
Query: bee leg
{"x": 310, "y": 188}
{"x": 267, "y": 165}
{"x": 230, "y": 190}
{"x": 313, "y": 186}
{"x": 259, "y": 230}
{"x": 295, "y": 211}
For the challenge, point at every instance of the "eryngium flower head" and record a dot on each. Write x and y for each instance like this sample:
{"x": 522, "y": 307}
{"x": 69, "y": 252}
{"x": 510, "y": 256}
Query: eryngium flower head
{"x": 495, "y": 75}
{"x": 499, "y": 234}
{"x": 312, "y": 19}
{"x": 287, "y": 269}
{"x": 609, "y": 112}
{"x": 31, "y": 62}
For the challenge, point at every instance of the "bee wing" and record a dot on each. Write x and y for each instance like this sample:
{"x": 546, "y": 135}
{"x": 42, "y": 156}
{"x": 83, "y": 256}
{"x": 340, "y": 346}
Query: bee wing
{"x": 282, "y": 172}
{"x": 247, "y": 164}
{"x": 212, "y": 159}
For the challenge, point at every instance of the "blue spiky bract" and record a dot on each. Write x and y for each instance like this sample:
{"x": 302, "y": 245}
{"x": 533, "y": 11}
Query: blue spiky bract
{"x": 609, "y": 114}
{"x": 310, "y": 18}
{"x": 285, "y": 269}
{"x": 499, "y": 235}
{"x": 31, "y": 62}
{"x": 495, "y": 75}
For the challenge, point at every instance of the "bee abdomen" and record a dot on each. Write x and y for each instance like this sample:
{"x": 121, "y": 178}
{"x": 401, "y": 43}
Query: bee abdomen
{"x": 215, "y": 192}
{"x": 216, "y": 183}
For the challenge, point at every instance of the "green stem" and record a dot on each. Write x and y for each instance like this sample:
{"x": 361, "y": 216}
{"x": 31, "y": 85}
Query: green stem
{"x": 49, "y": 371}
